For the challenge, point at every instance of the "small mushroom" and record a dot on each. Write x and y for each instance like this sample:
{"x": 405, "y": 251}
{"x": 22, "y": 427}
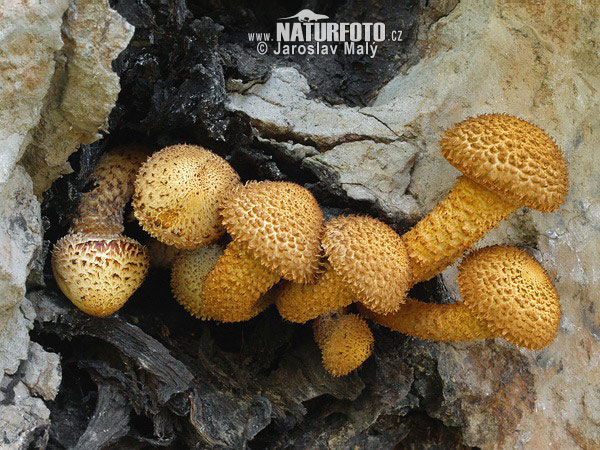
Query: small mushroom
{"x": 95, "y": 266}
{"x": 276, "y": 229}
{"x": 506, "y": 294}
{"x": 507, "y": 163}
{"x": 345, "y": 340}
{"x": 368, "y": 262}
{"x": 178, "y": 192}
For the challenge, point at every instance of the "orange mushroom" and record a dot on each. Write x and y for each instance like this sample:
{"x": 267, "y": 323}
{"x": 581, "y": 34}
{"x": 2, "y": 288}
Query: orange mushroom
{"x": 507, "y": 163}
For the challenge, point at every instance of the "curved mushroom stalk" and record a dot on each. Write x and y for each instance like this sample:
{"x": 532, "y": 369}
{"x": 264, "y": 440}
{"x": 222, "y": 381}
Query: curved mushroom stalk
{"x": 276, "y": 229}
{"x": 234, "y": 288}
{"x": 302, "y": 302}
{"x": 100, "y": 211}
{"x": 506, "y": 294}
{"x": 95, "y": 266}
{"x": 345, "y": 340}
{"x": 453, "y": 226}
{"x": 430, "y": 321}
{"x": 367, "y": 261}
{"x": 507, "y": 163}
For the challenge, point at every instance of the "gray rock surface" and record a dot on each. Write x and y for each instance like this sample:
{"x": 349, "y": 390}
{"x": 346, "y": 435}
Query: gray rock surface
{"x": 532, "y": 60}
{"x": 56, "y": 91}
{"x": 24, "y": 418}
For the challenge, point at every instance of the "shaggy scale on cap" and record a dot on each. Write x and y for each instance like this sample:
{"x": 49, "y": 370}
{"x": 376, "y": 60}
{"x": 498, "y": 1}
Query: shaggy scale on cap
{"x": 178, "y": 192}
{"x": 371, "y": 259}
{"x": 511, "y": 294}
{"x": 189, "y": 271}
{"x": 99, "y": 273}
{"x": 232, "y": 290}
{"x": 100, "y": 210}
{"x": 511, "y": 157}
{"x": 507, "y": 163}
{"x": 506, "y": 294}
{"x": 346, "y": 341}
{"x": 280, "y": 224}
{"x": 303, "y": 302}
{"x": 95, "y": 266}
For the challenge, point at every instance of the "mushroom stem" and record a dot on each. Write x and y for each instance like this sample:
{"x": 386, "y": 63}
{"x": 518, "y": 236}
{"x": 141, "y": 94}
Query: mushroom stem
{"x": 100, "y": 211}
{"x": 95, "y": 266}
{"x": 506, "y": 294}
{"x": 366, "y": 261}
{"x": 303, "y": 302}
{"x": 445, "y": 323}
{"x": 233, "y": 289}
{"x": 468, "y": 212}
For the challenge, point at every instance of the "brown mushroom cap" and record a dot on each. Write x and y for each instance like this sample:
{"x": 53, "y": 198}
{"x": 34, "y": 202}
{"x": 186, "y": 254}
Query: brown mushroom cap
{"x": 280, "y": 224}
{"x": 371, "y": 258}
{"x": 178, "y": 192}
{"x": 188, "y": 274}
{"x": 511, "y": 157}
{"x": 99, "y": 273}
{"x": 346, "y": 341}
{"x": 511, "y": 294}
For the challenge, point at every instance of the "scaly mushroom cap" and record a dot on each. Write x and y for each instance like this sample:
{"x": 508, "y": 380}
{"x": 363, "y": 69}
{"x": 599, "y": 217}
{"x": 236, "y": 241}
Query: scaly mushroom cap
{"x": 371, "y": 258}
{"x": 346, "y": 341}
{"x": 178, "y": 192}
{"x": 280, "y": 224}
{"x": 99, "y": 273}
{"x": 511, "y": 294}
{"x": 303, "y": 302}
{"x": 233, "y": 290}
{"x": 189, "y": 271}
{"x": 510, "y": 157}
{"x": 447, "y": 323}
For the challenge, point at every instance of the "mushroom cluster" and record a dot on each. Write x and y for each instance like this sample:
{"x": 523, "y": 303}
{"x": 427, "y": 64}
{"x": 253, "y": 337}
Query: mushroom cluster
{"x": 282, "y": 252}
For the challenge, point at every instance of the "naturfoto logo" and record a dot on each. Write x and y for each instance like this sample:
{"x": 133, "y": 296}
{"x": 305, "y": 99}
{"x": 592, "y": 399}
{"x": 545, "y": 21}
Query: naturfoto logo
{"x": 308, "y": 33}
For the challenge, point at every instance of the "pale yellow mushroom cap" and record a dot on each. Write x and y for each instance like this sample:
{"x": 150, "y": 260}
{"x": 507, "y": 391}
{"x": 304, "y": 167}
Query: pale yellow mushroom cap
{"x": 511, "y": 157}
{"x": 346, "y": 341}
{"x": 371, "y": 259}
{"x": 280, "y": 224}
{"x": 99, "y": 273}
{"x": 178, "y": 192}
{"x": 511, "y": 294}
{"x": 187, "y": 277}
